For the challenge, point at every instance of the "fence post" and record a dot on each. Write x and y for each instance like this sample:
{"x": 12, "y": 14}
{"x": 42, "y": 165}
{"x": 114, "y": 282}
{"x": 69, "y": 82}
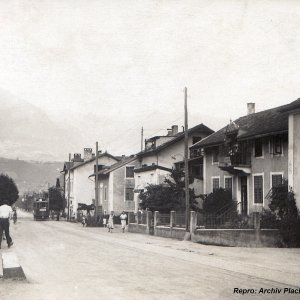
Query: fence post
{"x": 148, "y": 222}
{"x": 156, "y": 215}
{"x": 193, "y": 221}
{"x": 172, "y": 218}
{"x": 138, "y": 217}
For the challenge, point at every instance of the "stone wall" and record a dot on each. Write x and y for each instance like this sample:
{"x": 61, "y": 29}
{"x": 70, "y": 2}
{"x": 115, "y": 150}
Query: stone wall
{"x": 237, "y": 237}
{"x": 167, "y": 232}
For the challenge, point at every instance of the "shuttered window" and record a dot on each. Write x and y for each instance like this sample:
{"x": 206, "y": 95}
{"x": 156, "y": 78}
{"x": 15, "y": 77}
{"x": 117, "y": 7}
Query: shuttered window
{"x": 276, "y": 180}
{"x": 258, "y": 189}
{"x": 228, "y": 184}
{"x": 215, "y": 184}
{"x": 129, "y": 194}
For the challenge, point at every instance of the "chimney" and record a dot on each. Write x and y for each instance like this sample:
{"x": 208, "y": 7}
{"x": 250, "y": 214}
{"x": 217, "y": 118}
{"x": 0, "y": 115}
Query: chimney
{"x": 169, "y": 132}
{"x": 77, "y": 157}
{"x": 174, "y": 129}
{"x": 87, "y": 154}
{"x": 250, "y": 108}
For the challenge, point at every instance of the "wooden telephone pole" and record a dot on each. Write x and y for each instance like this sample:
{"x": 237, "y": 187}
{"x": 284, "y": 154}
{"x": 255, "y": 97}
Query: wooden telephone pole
{"x": 96, "y": 185}
{"x": 186, "y": 164}
{"x": 69, "y": 186}
{"x": 142, "y": 138}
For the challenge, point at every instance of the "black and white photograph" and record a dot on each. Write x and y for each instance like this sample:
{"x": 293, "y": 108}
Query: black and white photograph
{"x": 149, "y": 149}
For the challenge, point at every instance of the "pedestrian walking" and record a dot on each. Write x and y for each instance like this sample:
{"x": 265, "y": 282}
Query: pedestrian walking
{"x": 83, "y": 221}
{"x": 105, "y": 218}
{"x": 110, "y": 222}
{"x": 15, "y": 216}
{"x": 123, "y": 218}
{"x": 5, "y": 214}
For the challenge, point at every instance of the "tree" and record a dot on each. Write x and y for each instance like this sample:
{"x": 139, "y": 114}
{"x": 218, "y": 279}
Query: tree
{"x": 56, "y": 199}
{"x": 283, "y": 214}
{"x": 168, "y": 195}
{"x": 9, "y": 192}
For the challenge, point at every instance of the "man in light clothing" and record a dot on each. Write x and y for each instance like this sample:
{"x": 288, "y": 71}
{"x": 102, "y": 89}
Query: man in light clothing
{"x": 5, "y": 213}
{"x": 123, "y": 218}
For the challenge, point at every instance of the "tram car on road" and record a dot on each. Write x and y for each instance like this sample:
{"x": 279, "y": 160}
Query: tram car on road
{"x": 41, "y": 209}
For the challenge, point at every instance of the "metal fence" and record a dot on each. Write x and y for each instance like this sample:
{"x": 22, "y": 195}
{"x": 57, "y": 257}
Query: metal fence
{"x": 180, "y": 220}
{"x": 163, "y": 219}
{"x": 228, "y": 220}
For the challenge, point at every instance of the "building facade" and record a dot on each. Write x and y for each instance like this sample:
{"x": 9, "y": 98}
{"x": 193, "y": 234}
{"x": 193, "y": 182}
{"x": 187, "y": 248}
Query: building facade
{"x": 251, "y": 155}
{"x": 116, "y": 186}
{"x": 163, "y": 153}
{"x": 82, "y": 188}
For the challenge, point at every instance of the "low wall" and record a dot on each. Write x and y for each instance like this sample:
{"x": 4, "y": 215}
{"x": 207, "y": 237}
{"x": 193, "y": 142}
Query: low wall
{"x": 237, "y": 237}
{"x": 167, "y": 232}
{"x": 137, "y": 228}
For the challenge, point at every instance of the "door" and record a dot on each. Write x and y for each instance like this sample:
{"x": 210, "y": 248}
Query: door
{"x": 244, "y": 195}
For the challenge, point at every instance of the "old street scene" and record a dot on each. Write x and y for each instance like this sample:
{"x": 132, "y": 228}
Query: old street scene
{"x": 149, "y": 150}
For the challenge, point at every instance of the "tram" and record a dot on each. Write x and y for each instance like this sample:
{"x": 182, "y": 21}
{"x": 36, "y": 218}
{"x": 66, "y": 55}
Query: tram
{"x": 41, "y": 209}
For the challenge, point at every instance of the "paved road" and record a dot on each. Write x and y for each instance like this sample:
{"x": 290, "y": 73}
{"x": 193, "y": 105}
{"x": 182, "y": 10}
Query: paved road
{"x": 65, "y": 261}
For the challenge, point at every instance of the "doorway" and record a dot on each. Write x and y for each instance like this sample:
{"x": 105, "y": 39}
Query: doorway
{"x": 244, "y": 195}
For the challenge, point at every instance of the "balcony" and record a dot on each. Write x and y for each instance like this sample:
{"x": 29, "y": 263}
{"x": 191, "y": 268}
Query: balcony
{"x": 239, "y": 163}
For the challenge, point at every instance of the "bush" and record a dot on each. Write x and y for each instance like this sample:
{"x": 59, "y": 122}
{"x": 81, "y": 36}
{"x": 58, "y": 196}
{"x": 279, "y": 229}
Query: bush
{"x": 167, "y": 196}
{"x": 284, "y": 214}
{"x": 217, "y": 200}
{"x": 9, "y": 193}
{"x": 268, "y": 220}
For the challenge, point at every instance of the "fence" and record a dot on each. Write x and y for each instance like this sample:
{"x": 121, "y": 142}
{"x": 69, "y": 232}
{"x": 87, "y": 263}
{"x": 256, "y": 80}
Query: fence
{"x": 230, "y": 220}
{"x": 163, "y": 220}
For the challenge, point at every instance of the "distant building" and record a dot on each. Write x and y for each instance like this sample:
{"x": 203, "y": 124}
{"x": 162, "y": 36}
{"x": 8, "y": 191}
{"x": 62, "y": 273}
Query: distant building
{"x": 162, "y": 153}
{"x": 82, "y": 188}
{"x": 116, "y": 186}
{"x": 253, "y": 154}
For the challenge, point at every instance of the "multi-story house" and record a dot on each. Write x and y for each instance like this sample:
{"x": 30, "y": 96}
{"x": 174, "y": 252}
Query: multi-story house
{"x": 76, "y": 176}
{"x": 162, "y": 153}
{"x": 253, "y": 154}
{"x": 116, "y": 186}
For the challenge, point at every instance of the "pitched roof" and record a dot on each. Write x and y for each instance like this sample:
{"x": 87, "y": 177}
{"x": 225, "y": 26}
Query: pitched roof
{"x": 266, "y": 122}
{"x": 180, "y": 136}
{"x": 92, "y": 159}
{"x": 116, "y": 166}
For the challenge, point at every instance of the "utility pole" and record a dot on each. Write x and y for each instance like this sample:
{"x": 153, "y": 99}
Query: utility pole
{"x": 142, "y": 138}
{"x": 69, "y": 185}
{"x": 186, "y": 165}
{"x": 96, "y": 184}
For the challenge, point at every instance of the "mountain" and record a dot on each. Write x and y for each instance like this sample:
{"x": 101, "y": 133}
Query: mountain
{"x": 31, "y": 175}
{"x": 27, "y": 132}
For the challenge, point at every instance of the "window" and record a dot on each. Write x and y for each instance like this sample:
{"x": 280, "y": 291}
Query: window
{"x": 276, "y": 145}
{"x": 197, "y": 171}
{"x": 276, "y": 180}
{"x": 196, "y": 139}
{"x": 215, "y": 184}
{"x": 228, "y": 184}
{"x": 129, "y": 172}
{"x": 258, "y": 189}
{"x": 129, "y": 194}
{"x": 258, "y": 148}
{"x": 105, "y": 193}
{"x": 215, "y": 156}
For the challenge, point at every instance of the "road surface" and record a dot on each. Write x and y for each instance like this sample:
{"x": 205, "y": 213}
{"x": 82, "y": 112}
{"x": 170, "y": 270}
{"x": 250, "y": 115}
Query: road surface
{"x": 66, "y": 261}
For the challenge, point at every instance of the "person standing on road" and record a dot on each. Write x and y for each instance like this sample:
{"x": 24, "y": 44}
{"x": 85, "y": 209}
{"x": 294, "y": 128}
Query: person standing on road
{"x": 123, "y": 218}
{"x": 111, "y": 222}
{"x": 5, "y": 214}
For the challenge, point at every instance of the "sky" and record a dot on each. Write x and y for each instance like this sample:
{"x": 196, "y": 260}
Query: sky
{"x": 129, "y": 61}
